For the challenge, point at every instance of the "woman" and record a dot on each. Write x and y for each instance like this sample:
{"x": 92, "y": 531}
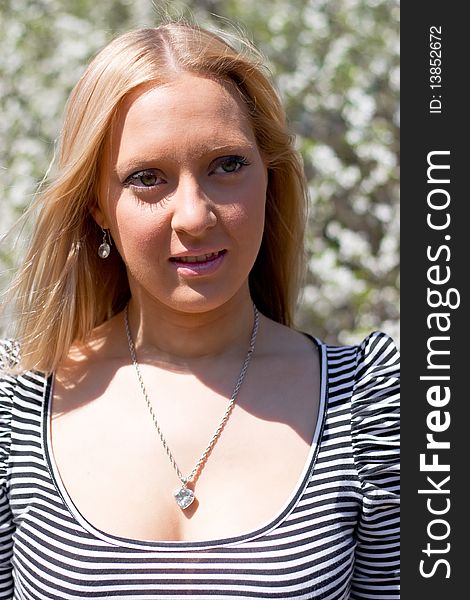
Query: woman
{"x": 165, "y": 431}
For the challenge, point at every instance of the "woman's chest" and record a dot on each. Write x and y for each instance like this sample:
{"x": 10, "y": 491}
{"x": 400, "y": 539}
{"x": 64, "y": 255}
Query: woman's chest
{"x": 120, "y": 465}
{"x": 121, "y": 478}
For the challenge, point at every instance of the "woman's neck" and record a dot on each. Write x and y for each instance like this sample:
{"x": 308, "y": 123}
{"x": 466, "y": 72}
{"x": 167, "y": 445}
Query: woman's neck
{"x": 168, "y": 336}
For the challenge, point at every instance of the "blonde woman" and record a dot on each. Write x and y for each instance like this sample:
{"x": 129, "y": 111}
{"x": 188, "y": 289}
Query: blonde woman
{"x": 166, "y": 431}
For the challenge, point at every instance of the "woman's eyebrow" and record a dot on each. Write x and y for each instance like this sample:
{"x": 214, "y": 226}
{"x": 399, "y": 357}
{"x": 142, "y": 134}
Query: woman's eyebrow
{"x": 149, "y": 158}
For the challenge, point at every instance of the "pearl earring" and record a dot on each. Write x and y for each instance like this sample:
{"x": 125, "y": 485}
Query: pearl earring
{"x": 104, "y": 249}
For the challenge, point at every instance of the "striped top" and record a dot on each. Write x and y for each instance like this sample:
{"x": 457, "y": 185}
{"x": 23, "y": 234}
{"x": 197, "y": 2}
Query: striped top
{"x": 336, "y": 538}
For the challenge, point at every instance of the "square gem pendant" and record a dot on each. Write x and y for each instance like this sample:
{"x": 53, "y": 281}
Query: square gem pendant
{"x": 184, "y": 497}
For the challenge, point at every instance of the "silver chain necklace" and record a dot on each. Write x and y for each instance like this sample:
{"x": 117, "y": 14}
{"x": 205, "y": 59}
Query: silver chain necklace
{"x": 184, "y": 496}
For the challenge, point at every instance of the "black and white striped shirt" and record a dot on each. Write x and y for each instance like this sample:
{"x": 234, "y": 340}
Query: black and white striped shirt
{"x": 336, "y": 538}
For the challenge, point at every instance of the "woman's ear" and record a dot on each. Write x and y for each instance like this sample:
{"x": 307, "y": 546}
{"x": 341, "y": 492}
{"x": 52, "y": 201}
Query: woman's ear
{"x": 98, "y": 214}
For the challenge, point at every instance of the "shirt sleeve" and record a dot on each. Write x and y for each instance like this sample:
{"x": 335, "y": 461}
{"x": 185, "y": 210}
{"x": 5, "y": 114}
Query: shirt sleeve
{"x": 6, "y": 522}
{"x": 375, "y": 434}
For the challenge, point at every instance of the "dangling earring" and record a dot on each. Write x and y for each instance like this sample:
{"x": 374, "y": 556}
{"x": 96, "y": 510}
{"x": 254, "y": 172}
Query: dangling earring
{"x": 104, "y": 249}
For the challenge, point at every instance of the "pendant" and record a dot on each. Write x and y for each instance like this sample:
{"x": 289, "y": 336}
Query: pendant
{"x": 184, "y": 497}
{"x": 104, "y": 250}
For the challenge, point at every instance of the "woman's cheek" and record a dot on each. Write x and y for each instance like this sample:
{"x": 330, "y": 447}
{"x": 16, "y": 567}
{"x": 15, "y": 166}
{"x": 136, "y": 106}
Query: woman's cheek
{"x": 140, "y": 236}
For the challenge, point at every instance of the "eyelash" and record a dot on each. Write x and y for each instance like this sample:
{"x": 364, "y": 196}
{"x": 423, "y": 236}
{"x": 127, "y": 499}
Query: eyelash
{"x": 133, "y": 179}
{"x": 241, "y": 160}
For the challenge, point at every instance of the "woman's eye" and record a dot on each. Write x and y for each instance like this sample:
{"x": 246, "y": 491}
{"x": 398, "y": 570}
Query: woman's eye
{"x": 230, "y": 164}
{"x": 144, "y": 179}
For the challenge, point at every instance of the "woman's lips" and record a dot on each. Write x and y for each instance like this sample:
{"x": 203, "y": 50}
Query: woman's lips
{"x": 199, "y": 264}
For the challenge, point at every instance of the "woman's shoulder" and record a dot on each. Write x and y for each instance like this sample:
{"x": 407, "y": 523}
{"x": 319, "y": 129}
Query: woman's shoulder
{"x": 377, "y": 350}
{"x": 376, "y": 353}
{"x": 365, "y": 374}
{"x": 365, "y": 347}
{"x": 285, "y": 340}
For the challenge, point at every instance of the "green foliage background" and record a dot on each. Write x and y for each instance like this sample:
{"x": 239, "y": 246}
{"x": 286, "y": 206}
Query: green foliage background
{"x": 336, "y": 64}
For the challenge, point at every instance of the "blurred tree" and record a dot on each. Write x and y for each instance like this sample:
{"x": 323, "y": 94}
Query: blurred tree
{"x": 336, "y": 64}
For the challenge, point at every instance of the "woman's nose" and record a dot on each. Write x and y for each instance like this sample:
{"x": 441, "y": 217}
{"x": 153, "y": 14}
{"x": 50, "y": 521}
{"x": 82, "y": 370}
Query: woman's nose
{"x": 192, "y": 210}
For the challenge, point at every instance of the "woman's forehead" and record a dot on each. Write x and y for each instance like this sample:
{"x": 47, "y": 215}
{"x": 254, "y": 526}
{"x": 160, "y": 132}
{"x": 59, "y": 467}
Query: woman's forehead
{"x": 189, "y": 109}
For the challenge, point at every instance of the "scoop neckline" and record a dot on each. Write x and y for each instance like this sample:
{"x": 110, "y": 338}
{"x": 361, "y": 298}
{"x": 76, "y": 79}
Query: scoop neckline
{"x": 175, "y": 545}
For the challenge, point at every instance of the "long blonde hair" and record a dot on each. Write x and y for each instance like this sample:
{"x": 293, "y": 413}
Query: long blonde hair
{"x": 62, "y": 290}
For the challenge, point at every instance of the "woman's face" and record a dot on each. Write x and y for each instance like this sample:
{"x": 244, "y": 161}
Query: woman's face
{"x": 182, "y": 190}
